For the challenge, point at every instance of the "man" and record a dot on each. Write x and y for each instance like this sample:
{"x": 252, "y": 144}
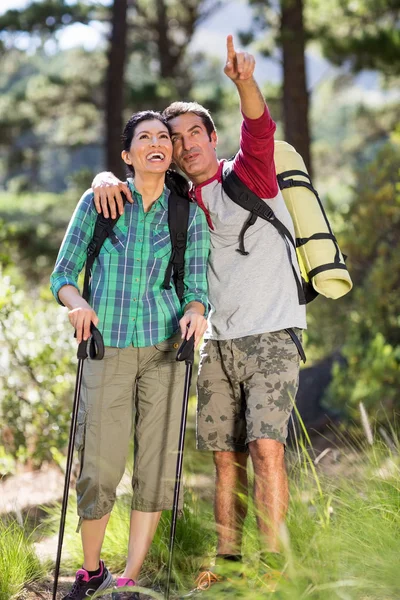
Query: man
{"x": 249, "y": 365}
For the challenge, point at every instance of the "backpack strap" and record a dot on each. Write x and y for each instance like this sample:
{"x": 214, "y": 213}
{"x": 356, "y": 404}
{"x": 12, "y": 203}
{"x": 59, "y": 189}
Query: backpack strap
{"x": 178, "y": 222}
{"x": 239, "y": 193}
{"x": 102, "y": 230}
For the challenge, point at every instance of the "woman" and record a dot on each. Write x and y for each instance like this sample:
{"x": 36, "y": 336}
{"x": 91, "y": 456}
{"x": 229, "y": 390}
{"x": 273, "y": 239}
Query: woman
{"x": 142, "y": 324}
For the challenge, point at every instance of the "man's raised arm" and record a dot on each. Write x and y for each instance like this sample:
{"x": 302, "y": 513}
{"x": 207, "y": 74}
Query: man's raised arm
{"x": 254, "y": 163}
{"x": 240, "y": 68}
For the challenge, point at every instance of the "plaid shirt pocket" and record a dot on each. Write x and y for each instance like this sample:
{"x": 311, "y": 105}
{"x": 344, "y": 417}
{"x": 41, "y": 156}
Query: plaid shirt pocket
{"x": 161, "y": 242}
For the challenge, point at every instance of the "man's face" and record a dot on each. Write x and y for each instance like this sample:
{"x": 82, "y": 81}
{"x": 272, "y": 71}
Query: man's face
{"x": 193, "y": 151}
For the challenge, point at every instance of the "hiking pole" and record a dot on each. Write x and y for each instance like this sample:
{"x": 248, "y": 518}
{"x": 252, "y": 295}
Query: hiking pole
{"x": 96, "y": 352}
{"x": 185, "y": 353}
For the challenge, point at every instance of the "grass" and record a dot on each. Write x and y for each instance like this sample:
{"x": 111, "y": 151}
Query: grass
{"x": 341, "y": 542}
{"x": 18, "y": 562}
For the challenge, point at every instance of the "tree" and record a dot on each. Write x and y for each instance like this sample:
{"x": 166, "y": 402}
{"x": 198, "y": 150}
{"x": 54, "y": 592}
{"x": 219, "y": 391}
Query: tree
{"x": 286, "y": 31}
{"x": 46, "y": 17}
{"x": 114, "y": 104}
{"x": 295, "y": 94}
{"x": 365, "y": 34}
{"x": 50, "y": 108}
{"x": 146, "y": 61}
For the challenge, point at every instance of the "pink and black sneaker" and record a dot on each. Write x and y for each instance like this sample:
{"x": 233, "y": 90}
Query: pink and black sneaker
{"x": 123, "y": 582}
{"x": 85, "y": 586}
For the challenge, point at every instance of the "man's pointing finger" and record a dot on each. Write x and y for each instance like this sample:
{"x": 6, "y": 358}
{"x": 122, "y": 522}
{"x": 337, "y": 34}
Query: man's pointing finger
{"x": 230, "y": 49}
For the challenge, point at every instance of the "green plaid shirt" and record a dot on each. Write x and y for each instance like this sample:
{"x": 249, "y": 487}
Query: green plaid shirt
{"x": 127, "y": 291}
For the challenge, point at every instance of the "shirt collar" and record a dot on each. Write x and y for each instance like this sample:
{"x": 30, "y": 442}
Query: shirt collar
{"x": 216, "y": 177}
{"x": 162, "y": 200}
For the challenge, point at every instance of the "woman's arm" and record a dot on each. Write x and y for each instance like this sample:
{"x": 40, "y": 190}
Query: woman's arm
{"x": 80, "y": 314}
{"x": 195, "y": 300}
{"x": 70, "y": 262}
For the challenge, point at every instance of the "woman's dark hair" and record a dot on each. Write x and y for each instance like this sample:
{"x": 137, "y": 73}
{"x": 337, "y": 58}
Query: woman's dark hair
{"x": 173, "y": 180}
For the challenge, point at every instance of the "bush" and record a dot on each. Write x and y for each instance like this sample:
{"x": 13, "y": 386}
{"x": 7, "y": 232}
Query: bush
{"x": 37, "y": 376}
{"x": 365, "y": 324}
{"x": 19, "y": 564}
{"x": 32, "y": 227}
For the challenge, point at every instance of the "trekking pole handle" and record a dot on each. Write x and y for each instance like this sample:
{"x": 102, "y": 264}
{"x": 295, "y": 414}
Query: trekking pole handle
{"x": 186, "y": 351}
{"x": 96, "y": 345}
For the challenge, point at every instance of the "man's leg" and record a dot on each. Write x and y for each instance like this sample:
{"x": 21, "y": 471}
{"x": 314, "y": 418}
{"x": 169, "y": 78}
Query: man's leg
{"x": 230, "y": 500}
{"x": 271, "y": 493}
{"x": 270, "y": 379}
{"x": 221, "y": 427}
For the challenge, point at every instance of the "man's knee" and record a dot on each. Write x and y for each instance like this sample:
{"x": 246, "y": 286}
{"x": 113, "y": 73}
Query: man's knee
{"x": 230, "y": 460}
{"x": 270, "y": 454}
{"x": 230, "y": 465}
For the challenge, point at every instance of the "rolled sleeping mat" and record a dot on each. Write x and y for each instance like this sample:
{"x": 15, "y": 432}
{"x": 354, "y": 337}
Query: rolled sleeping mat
{"x": 319, "y": 256}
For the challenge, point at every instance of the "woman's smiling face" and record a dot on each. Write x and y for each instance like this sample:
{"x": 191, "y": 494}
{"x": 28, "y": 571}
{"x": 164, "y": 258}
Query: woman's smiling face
{"x": 151, "y": 148}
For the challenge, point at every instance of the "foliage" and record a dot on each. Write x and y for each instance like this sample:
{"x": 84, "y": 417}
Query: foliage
{"x": 46, "y": 17}
{"x": 341, "y": 539}
{"x": 363, "y": 33}
{"x": 195, "y": 537}
{"x": 36, "y": 376}
{"x": 33, "y": 226}
{"x": 49, "y": 111}
{"x": 54, "y": 101}
{"x": 19, "y": 565}
{"x": 368, "y": 319}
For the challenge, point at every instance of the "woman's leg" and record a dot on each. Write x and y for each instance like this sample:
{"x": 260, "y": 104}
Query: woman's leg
{"x": 92, "y": 533}
{"x": 142, "y": 530}
{"x": 104, "y": 431}
{"x": 158, "y": 412}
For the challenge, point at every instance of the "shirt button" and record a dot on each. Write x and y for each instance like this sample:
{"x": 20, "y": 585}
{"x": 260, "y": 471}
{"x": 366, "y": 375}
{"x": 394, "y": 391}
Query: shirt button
{"x": 176, "y": 345}
{"x": 133, "y": 319}
{"x": 134, "y": 299}
{"x": 140, "y": 240}
{"x": 136, "y": 279}
{"x": 138, "y": 259}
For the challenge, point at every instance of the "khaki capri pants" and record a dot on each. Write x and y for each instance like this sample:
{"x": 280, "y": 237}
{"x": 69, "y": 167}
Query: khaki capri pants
{"x": 131, "y": 388}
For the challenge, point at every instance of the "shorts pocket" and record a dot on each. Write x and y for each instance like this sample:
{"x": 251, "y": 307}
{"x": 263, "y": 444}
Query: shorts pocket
{"x": 168, "y": 366}
{"x": 292, "y": 335}
{"x": 296, "y": 337}
{"x": 171, "y": 344}
{"x": 161, "y": 242}
{"x": 80, "y": 429}
{"x": 99, "y": 373}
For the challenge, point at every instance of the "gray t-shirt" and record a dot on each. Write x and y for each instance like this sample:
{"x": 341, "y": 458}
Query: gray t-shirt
{"x": 256, "y": 293}
{"x": 249, "y": 294}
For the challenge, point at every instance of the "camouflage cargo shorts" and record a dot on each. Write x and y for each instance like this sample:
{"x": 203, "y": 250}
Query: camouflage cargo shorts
{"x": 246, "y": 389}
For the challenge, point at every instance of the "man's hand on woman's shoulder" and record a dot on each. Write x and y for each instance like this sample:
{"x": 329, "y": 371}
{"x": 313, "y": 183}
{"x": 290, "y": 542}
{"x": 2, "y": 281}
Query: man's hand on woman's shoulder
{"x": 107, "y": 189}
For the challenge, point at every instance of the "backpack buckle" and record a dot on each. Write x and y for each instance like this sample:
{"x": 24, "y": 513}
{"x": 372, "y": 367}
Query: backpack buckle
{"x": 91, "y": 248}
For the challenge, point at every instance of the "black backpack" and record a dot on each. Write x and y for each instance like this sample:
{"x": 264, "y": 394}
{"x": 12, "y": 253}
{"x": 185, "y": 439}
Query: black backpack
{"x": 178, "y": 220}
{"x": 239, "y": 193}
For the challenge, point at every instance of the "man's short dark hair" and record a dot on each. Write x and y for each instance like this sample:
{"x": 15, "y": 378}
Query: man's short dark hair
{"x": 182, "y": 108}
